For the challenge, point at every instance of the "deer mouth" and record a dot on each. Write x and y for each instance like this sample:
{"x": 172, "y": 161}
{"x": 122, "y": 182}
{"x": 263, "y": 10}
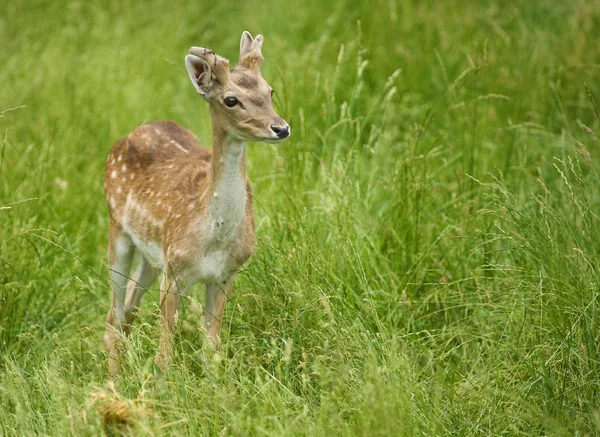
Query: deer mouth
{"x": 274, "y": 140}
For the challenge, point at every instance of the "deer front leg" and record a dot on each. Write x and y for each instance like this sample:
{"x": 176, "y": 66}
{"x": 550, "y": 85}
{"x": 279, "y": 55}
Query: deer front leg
{"x": 216, "y": 297}
{"x": 170, "y": 300}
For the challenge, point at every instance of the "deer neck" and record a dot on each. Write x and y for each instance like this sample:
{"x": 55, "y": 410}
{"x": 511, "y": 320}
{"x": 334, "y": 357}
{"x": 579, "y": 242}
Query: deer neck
{"x": 227, "y": 189}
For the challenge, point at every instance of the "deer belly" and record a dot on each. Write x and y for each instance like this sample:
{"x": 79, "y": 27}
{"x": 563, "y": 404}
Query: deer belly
{"x": 144, "y": 230}
{"x": 151, "y": 250}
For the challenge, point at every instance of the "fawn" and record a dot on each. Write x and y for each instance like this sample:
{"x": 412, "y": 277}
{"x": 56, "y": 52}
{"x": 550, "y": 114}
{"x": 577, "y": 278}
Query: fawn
{"x": 187, "y": 211}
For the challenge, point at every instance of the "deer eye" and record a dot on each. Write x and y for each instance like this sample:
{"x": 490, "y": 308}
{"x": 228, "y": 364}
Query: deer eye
{"x": 230, "y": 102}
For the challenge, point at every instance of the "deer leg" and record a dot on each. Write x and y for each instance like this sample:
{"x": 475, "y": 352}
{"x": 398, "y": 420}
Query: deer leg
{"x": 170, "y": 299}
{"x": 143, "y": 278}
{"x": 120, "y": 255}
{"x": 216, "y": 297}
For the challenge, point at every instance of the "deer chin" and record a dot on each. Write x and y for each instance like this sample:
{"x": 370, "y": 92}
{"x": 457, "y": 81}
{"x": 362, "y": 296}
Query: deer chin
{"x": 251, "y": 138}
{"x": 274, "y": 140}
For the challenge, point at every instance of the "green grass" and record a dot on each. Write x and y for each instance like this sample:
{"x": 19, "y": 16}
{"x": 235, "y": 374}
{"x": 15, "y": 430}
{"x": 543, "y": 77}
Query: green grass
{"x": 428, "y": 254}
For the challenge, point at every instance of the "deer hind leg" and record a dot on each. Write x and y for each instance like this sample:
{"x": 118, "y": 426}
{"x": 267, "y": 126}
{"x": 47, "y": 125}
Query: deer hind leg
{"x": 120, "y": 255}
{"x": 216, "y": 297}
{"x": 144, "y": 277}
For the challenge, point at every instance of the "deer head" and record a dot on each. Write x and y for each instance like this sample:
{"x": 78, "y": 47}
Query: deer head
{"x": 240, "y": 99}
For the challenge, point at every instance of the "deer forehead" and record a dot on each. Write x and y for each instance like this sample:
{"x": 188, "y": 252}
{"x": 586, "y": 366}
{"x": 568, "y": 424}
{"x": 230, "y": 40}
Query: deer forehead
{"x": 249, "y": 83}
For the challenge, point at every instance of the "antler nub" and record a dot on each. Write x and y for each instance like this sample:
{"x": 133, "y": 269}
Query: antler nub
{"x": 257, "y": 43}
{"x": 218, "y": 65}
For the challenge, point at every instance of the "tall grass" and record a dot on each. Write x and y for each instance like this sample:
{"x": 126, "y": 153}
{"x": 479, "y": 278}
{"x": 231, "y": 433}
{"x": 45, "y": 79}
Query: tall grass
{"x": 428, "y": 238}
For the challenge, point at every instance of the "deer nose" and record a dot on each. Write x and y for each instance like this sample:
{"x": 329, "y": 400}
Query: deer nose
{"x": 281, "y": 132}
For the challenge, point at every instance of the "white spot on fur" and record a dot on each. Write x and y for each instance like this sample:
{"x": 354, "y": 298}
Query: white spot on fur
{"x": 176, "y": 144}
{"x": 131, "y": 176}
{"x": 124, "y": 168}
{"x": 113, "y": 175}
{"x": 119, "y": 190}
{"x": 119, "y": 158}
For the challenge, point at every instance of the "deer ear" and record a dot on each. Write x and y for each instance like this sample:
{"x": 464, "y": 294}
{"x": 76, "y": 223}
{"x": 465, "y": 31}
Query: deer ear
{"x": 200, "y": 74}
{"x": 245, "y": 44}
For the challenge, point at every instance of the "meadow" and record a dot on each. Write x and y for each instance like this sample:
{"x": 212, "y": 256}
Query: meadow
{"x": 428, "y": 258}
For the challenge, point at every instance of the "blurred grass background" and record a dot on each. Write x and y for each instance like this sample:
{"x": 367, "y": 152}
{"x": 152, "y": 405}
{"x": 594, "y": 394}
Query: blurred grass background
{"x": 428, "y": 238}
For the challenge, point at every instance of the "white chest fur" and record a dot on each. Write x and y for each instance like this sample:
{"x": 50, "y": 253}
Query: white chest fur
{"x": 228, "y": 203}
{"x": 225, "y": 215}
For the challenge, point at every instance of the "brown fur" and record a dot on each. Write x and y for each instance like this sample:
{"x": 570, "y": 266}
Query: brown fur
{"x": 169, "y": 172}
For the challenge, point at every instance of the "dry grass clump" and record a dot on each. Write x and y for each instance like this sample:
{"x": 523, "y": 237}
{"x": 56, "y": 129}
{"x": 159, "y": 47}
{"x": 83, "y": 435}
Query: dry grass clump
{"x": 117, "y": 411}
